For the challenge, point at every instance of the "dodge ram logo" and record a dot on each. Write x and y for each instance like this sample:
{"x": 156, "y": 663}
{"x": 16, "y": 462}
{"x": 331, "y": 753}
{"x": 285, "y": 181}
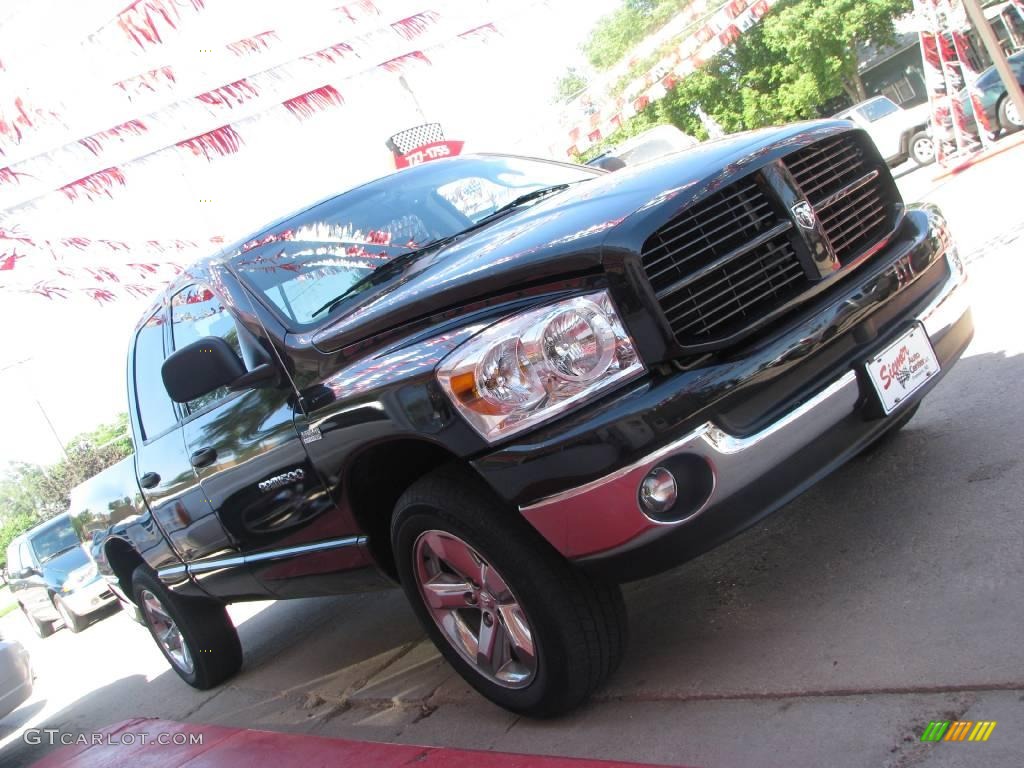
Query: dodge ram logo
{"x": 279, "y": 481}
{"x": 804, "y": 214}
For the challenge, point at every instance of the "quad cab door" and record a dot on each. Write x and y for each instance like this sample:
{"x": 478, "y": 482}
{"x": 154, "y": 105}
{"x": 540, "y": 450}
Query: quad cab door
{"x": 253, "y": 467}
{"x": 181, "y": 514}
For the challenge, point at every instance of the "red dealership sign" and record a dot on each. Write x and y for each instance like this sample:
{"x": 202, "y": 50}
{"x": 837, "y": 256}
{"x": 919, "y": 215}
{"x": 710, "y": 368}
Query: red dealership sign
{"x": 424, "y": 154}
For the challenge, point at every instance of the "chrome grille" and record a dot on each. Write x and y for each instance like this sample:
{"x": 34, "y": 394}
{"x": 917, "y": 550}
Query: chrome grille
{"x": 723, "y": 264}
{"x": 847, "y": 190}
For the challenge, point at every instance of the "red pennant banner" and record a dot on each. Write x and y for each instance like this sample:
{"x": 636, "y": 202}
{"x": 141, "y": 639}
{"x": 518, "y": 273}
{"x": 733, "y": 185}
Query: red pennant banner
{"x": 255, "y": 44}
{"x": 412, "y": 27}
{"x": 120, "y": 132}
{"x": 141, "y": 21}
{"x": 319, "y": 100}
{"x": 231, "y": 95}
{"x": 95, "y": 185}
{"x": 218, "y": 142}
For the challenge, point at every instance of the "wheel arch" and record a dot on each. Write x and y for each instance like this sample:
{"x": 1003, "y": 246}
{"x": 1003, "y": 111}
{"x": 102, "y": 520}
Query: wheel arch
{"x": 375, "y": 479}
{"x": 123, "y": 559}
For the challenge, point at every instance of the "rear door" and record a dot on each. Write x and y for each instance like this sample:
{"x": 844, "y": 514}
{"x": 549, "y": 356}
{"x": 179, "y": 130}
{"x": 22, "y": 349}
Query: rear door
{"x": 168, "y": 480}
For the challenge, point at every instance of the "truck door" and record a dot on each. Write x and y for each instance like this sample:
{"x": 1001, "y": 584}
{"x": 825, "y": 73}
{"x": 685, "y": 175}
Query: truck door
{"x": 250, "y": 460}
{"x": 168, "y": 480}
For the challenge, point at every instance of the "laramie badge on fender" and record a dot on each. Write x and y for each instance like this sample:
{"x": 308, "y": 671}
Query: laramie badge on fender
{"x": 804, "y": 214}
{"x": 279, "y": 481}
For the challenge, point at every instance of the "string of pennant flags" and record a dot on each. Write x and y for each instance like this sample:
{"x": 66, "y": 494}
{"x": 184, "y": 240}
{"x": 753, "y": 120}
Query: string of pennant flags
{"x": 713, "y": 26}
{"x": 303, "y": 85}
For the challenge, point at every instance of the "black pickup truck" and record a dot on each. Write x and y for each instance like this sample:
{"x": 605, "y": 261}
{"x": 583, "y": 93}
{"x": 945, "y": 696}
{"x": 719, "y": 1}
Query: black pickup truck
{"x": 510, "y": 385}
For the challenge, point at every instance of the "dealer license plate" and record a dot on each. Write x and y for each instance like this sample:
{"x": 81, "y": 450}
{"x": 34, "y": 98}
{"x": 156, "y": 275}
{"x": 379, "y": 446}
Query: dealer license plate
{"x": 902, "y": 368}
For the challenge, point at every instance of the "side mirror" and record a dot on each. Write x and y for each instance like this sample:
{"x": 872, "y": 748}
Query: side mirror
{"x": 200, "y": 368}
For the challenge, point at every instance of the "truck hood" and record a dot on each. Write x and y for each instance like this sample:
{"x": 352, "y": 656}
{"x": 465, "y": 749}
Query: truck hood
{"x": 559, "y": 237}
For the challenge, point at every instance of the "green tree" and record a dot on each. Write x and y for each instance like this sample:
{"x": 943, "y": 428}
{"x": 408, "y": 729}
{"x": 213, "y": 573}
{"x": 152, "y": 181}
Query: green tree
{"x": 819, "y": 38}
{"x": 569, "y": 85}
{"x": 30, "y": 494}
{"x": 620, "y": 30}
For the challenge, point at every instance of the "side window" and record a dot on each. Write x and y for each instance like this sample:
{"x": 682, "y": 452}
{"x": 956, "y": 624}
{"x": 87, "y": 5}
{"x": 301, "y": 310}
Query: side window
{"x": 24, "y": 556}
{"x": 197, "y": 312}
{"x": 13, "y": 563}
{"x": 156, "y": 412}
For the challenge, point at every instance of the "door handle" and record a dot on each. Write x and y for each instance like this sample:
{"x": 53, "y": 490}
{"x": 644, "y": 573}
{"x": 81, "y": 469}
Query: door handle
{"x": 149, "y": 480}
{"x": 204, "y": 457}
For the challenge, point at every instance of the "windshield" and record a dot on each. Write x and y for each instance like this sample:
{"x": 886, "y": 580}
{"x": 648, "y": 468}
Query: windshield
{"x": 53, "y": 540}
{"x": 877, "y": 109}
{"x": 304, "y": 263}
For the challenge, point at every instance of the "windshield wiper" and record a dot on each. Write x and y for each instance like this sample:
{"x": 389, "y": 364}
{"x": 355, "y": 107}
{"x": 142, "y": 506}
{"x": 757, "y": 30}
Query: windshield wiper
{"x": 386, "y": 269}
{"x": 529, "y": 197}
{"x": 59, "y": 552}
{"x": 402, "y": 258}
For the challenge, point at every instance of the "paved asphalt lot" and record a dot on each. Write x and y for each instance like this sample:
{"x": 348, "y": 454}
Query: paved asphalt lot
{"x": 890, "y": 595}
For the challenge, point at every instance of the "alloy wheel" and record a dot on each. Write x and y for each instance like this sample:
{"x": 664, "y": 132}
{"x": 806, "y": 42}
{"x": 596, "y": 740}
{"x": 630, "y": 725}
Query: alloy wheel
{"x": 166, "y": 632}
{"x": 924, "y": 151}
{"x": 474, "y": 608}
{"x": 1011, "y": 113}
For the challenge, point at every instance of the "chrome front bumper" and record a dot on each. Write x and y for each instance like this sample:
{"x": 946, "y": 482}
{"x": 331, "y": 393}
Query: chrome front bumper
{"x": 604, "y": 517}
{"x": 89, "y": 597}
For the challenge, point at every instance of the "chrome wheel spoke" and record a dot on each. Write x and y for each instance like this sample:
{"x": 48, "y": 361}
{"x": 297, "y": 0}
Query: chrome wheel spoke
{"x": 166, "y": 632}
{"x": 514, "y": 623}
{"x": 455, "y": 554}
{"x": 487, "y": 644}
{"x": 447, "y": 591}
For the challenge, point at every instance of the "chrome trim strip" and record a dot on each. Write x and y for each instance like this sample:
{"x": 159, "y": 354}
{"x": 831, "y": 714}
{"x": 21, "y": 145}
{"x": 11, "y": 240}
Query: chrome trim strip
{"x": 206, "y": 566}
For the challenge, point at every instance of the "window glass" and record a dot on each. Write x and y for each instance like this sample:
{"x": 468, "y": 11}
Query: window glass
{"x": 156, "y": 412}
{"x": 24, "y": 556}
{"x": 54, "y": 540}
{"x": 340, "y": 247}
{"x": 13, "y": 562}
{"x": 877, "y": 109}
{"x": 197, "y": 312}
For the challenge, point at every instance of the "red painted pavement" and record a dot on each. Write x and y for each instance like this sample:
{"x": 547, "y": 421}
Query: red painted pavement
{"x": 121, "y": 747}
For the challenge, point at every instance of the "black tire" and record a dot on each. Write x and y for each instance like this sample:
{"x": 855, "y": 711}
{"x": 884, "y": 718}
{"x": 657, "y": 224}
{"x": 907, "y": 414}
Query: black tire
{"x": 72, "y": 620}
{"x": 577, "y": 624}
{"x": 922, "y": 148}
{"x": 1007, "y": 111}
{"x": 41, "y": 628}
{"x": 205, "y": 628}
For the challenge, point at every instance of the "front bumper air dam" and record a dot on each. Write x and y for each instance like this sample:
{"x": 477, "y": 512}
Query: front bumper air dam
{"x": 602, "y": 527}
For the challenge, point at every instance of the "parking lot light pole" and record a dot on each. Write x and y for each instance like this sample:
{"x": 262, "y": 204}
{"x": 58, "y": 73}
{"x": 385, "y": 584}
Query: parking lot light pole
{"x": 995, "y": 51}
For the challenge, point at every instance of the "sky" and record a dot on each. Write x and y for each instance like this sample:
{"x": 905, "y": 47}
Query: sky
{"x": 67, "y": 357}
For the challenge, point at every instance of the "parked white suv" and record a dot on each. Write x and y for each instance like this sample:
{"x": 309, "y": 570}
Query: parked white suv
{"x": 898, "y": 133}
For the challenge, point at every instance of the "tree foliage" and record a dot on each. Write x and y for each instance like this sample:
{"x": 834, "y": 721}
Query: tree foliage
{"x": 30, "y": 494}
{"x": 569, "y": 85}
{"x": 818, "y": 40}
{"x": 616, "y": 33}
{"x": 800, "y": 58}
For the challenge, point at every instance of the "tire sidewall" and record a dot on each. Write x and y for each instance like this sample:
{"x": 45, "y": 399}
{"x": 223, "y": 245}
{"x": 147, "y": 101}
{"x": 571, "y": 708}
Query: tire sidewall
{"x": 72, "y": 622}
{"x": 412, "y": 521}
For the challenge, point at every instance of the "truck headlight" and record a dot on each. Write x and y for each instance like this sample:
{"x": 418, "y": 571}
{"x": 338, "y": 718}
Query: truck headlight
{"x": 79, "y": 577}
{"x": 535, "y": 365}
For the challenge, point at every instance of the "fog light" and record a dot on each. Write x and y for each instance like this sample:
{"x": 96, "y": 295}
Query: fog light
{"x": 658, "y": 491}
